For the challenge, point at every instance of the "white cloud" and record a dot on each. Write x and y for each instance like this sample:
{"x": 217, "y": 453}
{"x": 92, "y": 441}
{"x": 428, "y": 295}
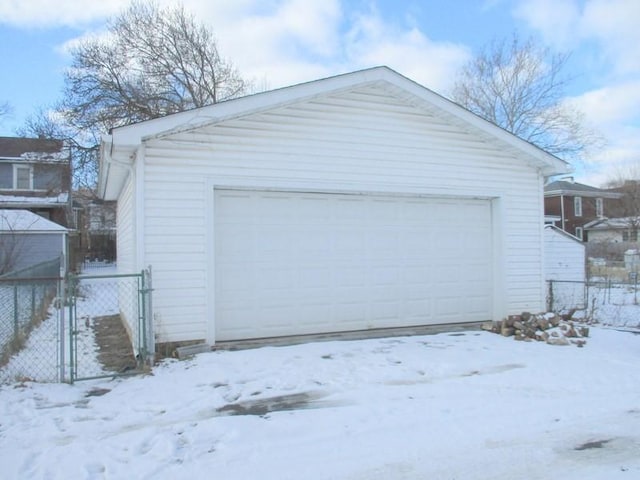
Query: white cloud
{"x": 371, "y": 41}
{"x": 614, "y": 23}
{"x": 613, "y": 110}
{"x": 290, "y": 41}
{"x": 612, "y": 105}
{"x": 611, "y": 26}
{"x": 47, "y": 13}
{"x": 280, "y": 42}
{"x": 555, "y": 19}
{"x": 606, "y": 35}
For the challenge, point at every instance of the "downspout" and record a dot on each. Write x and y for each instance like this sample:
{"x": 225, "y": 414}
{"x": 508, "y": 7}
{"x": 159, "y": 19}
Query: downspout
{"x": 562, "y": 213}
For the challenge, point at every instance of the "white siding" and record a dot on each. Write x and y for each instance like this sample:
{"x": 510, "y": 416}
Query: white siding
{"x": 564, "y": 257}
{"x": 365, "y": 141}
{"x": 125, "y": 220}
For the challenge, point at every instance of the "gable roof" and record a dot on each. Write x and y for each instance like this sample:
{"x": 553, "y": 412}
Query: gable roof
{"x": 566, "y": 187}
{"x": 19, "y": 147}
{"x": 117, "y": 148}
{"x": 26, "y": 221}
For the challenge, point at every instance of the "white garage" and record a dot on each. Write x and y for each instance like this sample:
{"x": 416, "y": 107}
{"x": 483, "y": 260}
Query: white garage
{"x": 354, "y": 202}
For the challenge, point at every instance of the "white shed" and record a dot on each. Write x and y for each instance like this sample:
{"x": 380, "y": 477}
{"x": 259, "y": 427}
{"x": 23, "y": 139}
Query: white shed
{"x": 359, "y": 201}
{"x": 27, "y": 239}
{"x": 564, "y": 258}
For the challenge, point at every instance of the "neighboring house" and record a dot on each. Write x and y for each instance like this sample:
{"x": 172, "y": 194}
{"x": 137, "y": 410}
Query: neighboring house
{"x": 576, "y": 204}
{"x": 27, "y": 239}
{"x": 355, "y": 202}
{"x": 564, "y": 256}
{"x": 35, "y": 175}
{"x": 96, "y": 227}
{"x": 615, "y": 230}
{"x": 101, "y": 230}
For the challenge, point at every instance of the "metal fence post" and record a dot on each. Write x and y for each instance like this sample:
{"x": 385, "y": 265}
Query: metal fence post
{"x": 71, "y": 297}
{"x": 62, "y": 302}
{"x": 16, "y": 314}
{"x": 151, "y": 341}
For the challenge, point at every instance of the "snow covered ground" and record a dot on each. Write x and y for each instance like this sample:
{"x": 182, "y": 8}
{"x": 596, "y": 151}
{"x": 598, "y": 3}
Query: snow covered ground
{"x": 470, "y": 405}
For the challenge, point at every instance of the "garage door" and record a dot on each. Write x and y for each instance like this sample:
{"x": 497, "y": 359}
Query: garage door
{"x": 289, "y": 263}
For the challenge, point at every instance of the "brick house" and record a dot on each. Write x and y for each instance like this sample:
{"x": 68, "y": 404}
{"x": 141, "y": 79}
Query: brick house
{"x": 35, "y": 176}
{"x": 572, "y": 205}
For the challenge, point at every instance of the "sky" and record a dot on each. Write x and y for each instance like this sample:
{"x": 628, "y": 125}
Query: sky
{"x": 282, "y": 42}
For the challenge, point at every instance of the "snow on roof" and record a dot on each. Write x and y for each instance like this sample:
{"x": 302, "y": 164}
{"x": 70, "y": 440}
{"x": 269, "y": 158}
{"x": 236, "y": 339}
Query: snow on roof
{"x": 26, "y": 221}
{"x": 611, "y": 223}
{"x": 33, "y": 149}
{"x": 61, "y": 198}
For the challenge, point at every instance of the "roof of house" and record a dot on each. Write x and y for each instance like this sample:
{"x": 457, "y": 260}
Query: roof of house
{"x": 619, "y": 223}
{"x": 118, "y": 147}
{"x": 25, "y": 221}
{"x": 569, "y": 187}
{"x": 559, "y": 231}
{"x": 27, "y": 148}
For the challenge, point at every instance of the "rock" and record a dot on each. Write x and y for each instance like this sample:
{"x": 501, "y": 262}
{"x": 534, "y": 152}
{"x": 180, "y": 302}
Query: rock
{"x": 511, "y": 320}
{"x": 507, "y": 331}
{"x": 489, "y": 326}
{"x": 583, "y": 331}
{"x": 561, "y": 341}
{"x": 542, "y": 336}
{"x": 525, "y": 316}
{"x": 543, "y": 323}
{"x": 570, "y": 332}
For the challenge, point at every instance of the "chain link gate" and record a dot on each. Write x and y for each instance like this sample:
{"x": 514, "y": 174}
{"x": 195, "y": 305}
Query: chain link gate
{"x": 110, "y": 325}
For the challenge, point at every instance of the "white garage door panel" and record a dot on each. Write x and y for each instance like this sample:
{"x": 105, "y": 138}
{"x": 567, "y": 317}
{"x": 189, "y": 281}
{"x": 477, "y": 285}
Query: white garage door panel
{"x": 290, "y": 263}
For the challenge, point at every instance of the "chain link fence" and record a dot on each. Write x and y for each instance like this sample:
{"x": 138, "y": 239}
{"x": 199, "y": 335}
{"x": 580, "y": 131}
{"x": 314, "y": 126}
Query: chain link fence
{"x": 109, "y": 324}
{"x": 83, "y": 326}
{"x": 603, "y": 301}
{"x": 31, "y": 317}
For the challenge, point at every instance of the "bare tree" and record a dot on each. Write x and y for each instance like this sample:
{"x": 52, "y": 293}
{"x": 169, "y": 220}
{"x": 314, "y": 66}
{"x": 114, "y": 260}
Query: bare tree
{"x": 520, "y": 87}
{"x": 82, "y": 144}
{"x": 5, "y": 109}
{"x": 153, "y": 62}
{"x": 627, "y": 182}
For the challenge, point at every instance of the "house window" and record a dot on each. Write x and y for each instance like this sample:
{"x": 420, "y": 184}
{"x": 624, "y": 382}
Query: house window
{"x": 22, "y": 177}
{"x": 579, "y": 233}
{"x": 577, "y": 206}
{"x": 599, "y": 207}
{"x": 629, "y": 235}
